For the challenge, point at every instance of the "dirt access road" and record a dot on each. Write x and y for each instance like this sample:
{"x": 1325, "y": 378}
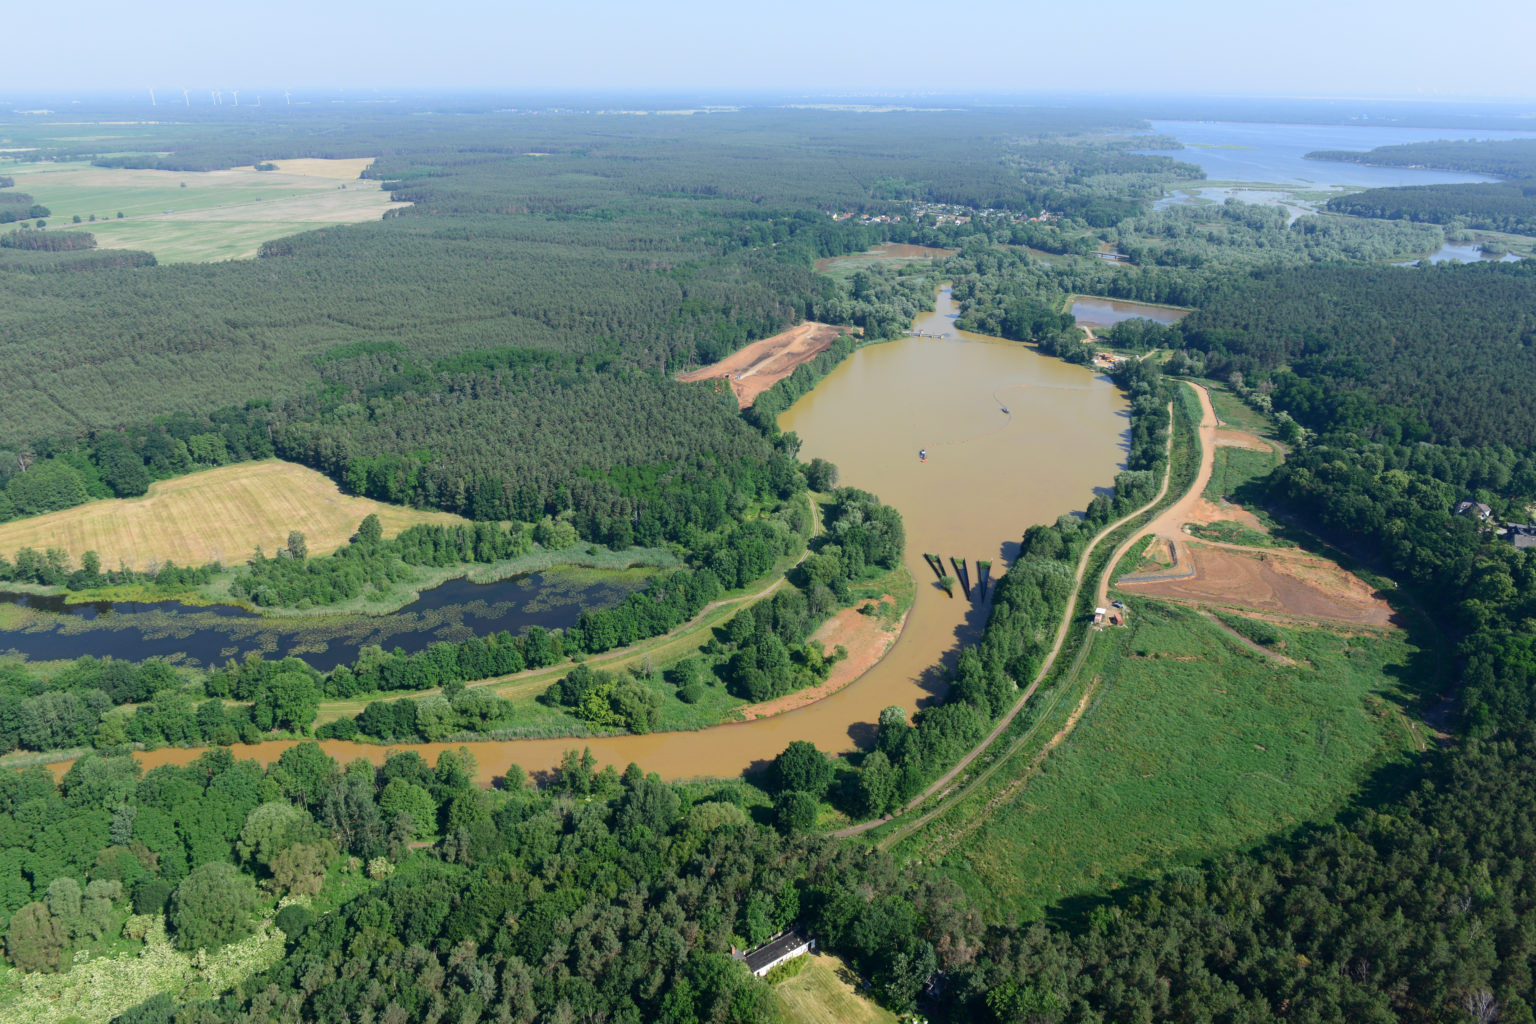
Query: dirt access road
{"x": 762, "y": 364}
{"x": 1170, "y": 524}
{"x": 1278, "y": 580}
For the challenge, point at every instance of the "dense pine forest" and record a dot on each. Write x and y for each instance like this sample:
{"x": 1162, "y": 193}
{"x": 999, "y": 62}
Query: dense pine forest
{"x": 1511, "y": 158}
{"x": 1501, "y": 206}
{"x": 1504, "y": 206}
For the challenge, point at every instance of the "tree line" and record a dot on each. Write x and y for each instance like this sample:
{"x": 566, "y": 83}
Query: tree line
{"x": 1508, "y": 158}
{"x": 1508, "y": 206}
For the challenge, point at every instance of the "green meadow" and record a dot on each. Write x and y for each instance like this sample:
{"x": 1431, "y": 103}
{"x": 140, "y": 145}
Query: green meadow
{"x": 1192, "y": 744}
{"x": 1232, "y": 467}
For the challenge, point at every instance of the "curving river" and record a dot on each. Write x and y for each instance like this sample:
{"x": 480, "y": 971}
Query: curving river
{"x": 989, "y": 475}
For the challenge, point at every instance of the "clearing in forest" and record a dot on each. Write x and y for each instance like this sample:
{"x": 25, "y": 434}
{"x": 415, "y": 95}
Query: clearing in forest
{"x": 824, "y": 993}
{"x": 201, "y": 216}
{"x": 886, "y": 253}
{"x": 216, "y": 515}
{"x": 1290, "y": 584}
{"x": 762, "y": 364}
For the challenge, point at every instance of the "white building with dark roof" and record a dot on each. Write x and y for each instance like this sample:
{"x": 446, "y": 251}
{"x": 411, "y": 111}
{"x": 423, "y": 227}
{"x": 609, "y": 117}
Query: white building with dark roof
{"x": 784, "y": 946}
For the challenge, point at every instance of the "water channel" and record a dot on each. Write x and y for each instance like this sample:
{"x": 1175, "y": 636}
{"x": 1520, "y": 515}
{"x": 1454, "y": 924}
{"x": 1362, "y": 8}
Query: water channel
{"x": 989, "y": 475}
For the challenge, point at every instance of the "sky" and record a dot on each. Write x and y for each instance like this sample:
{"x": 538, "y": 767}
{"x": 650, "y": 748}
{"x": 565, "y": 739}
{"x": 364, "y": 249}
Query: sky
{"x": 1312, "y": 48}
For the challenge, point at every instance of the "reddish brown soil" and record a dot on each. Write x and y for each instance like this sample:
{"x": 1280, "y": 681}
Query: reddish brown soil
{"x": 763, "y": 364}
{"x": 1290, "y": 583}
{"x": 867, "y": 638}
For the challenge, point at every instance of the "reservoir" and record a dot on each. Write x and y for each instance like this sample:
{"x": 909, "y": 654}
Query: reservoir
{"x": 989, "y": 476}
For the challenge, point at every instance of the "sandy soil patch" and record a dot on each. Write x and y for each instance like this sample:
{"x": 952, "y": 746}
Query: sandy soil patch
{"x": 1276, "y": 581}
{"x": 216, "y": 515}
{"x": 1270, "y": 581}
{"x": 1206, "y": 511}
{"x": 867, "y": 638}
{"x": 887, "y": 251}
{"x": 1228, "y": 438}
{"x": 762, "y": 364}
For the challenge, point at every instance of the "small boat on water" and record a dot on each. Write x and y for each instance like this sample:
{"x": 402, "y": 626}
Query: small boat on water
{"x": 922, "y": 455}
{"x": 1005, "y": 410}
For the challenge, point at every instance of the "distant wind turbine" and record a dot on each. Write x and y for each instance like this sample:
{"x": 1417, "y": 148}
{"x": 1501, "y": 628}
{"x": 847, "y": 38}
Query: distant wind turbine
{"x": 237, "y": 96}
{"x": 185, "y": 98}
{"x": 152, "y": 98}
{"x": 286, "y": 100}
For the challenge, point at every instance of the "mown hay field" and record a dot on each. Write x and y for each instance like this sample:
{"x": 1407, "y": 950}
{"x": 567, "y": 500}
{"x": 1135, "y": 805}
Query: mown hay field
{"x": 216, "y": 515}
{"x": 200, "y": 216}
{"x": 822, "y": 993}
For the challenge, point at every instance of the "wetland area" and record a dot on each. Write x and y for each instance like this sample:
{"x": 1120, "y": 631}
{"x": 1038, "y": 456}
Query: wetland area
{"x": 45, "y": 627}
{"x": 990, "y": 473}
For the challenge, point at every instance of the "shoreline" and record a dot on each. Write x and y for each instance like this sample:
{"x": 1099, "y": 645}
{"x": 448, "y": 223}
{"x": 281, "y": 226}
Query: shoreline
{"x": 815, "y": 694}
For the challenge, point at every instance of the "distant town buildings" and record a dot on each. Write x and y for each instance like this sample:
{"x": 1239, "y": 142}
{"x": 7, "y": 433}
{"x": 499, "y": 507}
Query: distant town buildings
{"x": 944, "y": 213}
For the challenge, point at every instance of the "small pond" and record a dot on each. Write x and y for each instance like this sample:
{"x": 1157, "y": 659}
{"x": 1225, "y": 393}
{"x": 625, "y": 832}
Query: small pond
{"x": 1466, "y": 252}
{"x": 1096, "y": 312}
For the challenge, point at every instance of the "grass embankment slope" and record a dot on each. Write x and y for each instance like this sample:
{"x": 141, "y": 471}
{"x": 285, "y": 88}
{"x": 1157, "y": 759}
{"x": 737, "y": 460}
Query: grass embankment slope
{"x": 822, "y": 992}
{"x": 1191, "y": 744}
{"x": 216, "y": 515}
{"x": 201, "y": 216}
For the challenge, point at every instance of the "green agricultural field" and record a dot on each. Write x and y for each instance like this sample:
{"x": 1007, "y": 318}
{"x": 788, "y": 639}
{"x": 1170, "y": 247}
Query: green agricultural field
{"x": 1193, "y": 744}
{"x": 198, "y": 217}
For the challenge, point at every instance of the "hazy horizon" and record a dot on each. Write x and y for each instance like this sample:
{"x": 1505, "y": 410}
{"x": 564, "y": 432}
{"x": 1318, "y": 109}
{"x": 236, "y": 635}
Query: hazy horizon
{"x": 1192, "y": 47}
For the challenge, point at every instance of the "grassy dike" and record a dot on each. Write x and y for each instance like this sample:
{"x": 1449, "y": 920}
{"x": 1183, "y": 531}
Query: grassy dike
{"x": 1192, "y": 743}
{"x": 1028, "y": 727}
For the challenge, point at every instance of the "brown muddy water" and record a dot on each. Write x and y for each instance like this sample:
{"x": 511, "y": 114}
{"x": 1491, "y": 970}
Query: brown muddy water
{"x": 990, "y": 474}
{"x": 1100, "y": 312}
